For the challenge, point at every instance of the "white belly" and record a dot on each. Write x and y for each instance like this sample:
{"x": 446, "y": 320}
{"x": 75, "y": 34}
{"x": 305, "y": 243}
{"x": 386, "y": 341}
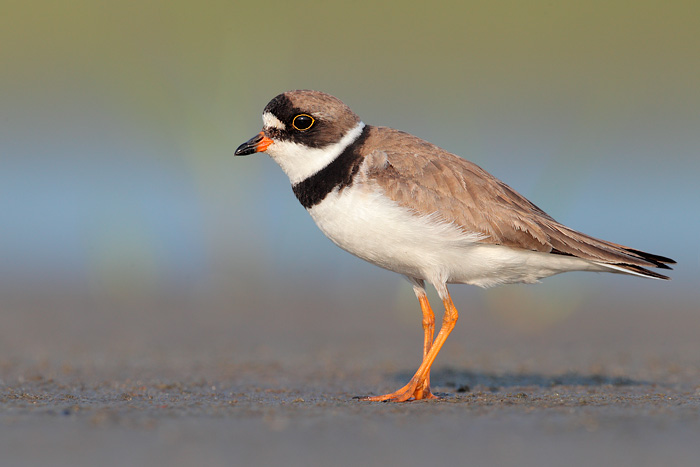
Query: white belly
{"x": 376, "y": 229}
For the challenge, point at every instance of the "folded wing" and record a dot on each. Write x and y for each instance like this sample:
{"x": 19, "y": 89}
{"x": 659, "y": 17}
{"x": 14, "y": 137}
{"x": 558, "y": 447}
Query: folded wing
{"x": 460, "y": 192}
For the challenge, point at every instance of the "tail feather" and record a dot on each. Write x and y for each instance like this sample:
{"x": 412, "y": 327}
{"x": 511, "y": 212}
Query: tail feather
{"x": 650, "y": 259}
{"x": 620, "y": 258}
{"x": 635, "y": 270}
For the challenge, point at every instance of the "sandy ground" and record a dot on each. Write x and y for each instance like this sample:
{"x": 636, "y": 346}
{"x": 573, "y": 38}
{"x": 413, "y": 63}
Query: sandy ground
{"x": 597, "y": 388}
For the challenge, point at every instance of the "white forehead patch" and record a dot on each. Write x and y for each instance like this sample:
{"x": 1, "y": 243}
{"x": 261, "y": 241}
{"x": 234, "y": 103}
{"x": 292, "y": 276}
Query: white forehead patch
{"x": 270, "y": 121}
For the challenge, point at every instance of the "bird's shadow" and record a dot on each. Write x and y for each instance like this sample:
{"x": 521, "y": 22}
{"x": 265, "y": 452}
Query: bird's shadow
{"x": 465, "y": 381}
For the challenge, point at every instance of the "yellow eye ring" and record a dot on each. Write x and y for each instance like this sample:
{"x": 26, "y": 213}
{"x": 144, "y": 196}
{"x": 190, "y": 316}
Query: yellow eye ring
{"x": 303, "y": 122}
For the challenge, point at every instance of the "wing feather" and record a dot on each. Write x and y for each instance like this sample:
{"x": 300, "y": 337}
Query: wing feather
{"x": 432, "y": 181}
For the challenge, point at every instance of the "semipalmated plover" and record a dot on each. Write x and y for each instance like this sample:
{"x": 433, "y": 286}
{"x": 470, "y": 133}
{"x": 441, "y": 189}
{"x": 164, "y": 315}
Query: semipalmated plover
{"x": 409, "y": 206}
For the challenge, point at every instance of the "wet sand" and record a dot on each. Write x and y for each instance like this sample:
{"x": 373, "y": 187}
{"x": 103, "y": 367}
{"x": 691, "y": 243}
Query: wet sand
{"x": 179, "y": 392}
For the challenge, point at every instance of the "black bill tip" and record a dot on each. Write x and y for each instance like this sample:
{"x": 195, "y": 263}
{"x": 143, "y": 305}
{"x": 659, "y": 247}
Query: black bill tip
{"x": 257, "y": 143}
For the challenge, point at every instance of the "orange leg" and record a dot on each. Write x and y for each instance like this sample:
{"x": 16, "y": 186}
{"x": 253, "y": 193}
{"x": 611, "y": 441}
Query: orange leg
{"x": 423, "y": 392}
{"x": 428, "y": 332}
{"x": 419, "y": 386}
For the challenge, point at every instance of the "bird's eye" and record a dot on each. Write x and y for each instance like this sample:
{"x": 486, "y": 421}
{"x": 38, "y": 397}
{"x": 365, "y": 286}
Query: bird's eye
{"x": 303, "y": 122}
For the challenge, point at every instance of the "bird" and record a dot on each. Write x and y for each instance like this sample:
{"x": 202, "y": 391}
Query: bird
{"x": 406, "y": 205}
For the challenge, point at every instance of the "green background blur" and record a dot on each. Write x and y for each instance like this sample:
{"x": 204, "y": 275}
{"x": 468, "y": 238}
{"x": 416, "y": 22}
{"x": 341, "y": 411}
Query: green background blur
{"x": 120, "y": 195}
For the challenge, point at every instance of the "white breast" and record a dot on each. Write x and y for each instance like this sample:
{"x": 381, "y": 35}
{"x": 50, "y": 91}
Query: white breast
{"x": 364, "y": 222}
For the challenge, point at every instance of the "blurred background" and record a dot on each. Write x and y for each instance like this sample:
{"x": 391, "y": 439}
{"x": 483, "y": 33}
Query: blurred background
{"x": 129, "y": 231}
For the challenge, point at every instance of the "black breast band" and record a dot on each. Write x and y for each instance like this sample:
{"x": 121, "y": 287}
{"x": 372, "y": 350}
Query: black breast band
{"x": 338, "y": 174}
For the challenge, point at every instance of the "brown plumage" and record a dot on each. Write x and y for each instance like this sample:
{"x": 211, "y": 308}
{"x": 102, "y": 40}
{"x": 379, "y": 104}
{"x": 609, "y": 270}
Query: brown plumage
{"x": 431, "y": 181}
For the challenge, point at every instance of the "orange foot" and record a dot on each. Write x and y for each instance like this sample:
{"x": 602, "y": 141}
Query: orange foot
{"x": 412, "y": 391}
{"x": 419, "y": 386}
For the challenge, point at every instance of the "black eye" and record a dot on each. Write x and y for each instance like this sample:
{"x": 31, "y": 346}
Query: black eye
{"x": 303, "y": 122}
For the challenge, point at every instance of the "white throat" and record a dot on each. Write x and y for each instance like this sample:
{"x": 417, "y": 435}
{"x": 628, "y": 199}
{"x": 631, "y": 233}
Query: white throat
{"x": 300, "y": 162}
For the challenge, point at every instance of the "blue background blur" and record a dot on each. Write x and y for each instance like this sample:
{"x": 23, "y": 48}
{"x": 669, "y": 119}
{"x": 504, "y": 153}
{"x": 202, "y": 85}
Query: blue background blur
{"x": 120, "y": 195}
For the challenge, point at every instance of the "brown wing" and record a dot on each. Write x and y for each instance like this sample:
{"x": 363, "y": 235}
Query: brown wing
{"x": 430, "y": 180}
